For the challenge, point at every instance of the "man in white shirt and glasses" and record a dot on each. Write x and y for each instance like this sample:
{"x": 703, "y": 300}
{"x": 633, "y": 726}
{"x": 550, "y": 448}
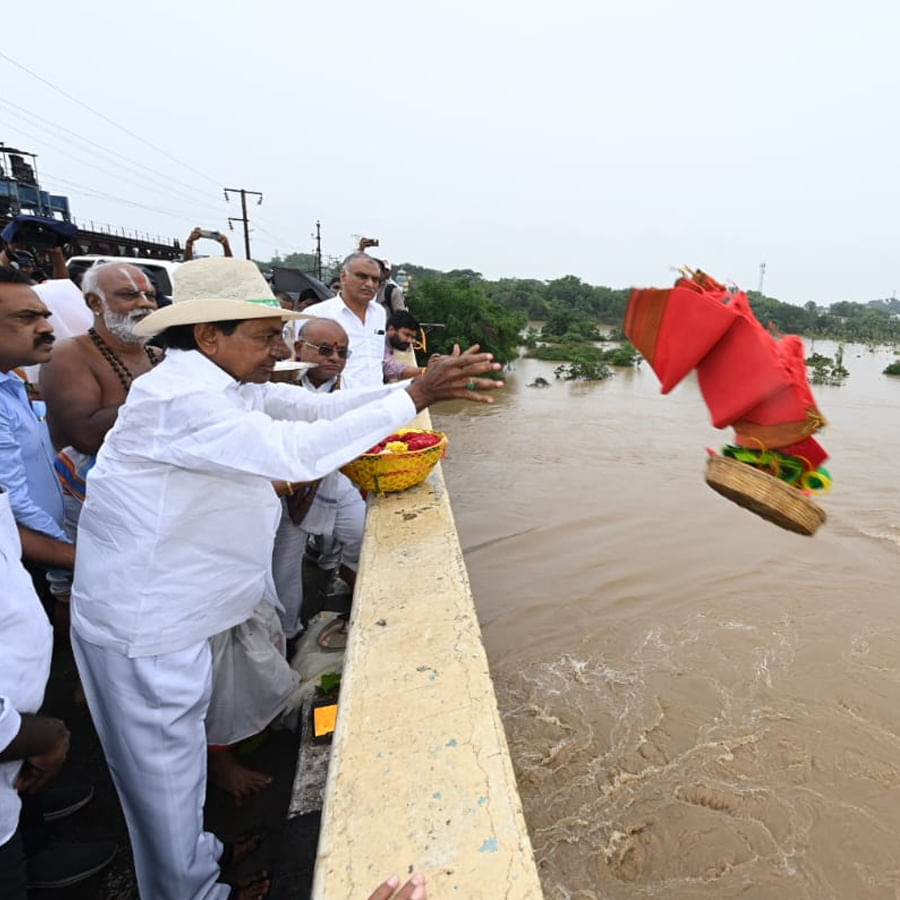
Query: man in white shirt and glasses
{"x": 175, "y": 541}
{"x": 364, "y": 319}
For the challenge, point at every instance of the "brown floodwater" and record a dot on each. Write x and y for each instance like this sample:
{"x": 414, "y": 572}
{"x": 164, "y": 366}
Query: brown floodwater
{"x": 698, "y": 704}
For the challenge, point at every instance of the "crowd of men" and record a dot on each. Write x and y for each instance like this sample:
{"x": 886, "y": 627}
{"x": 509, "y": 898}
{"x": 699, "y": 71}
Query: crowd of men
{"x": 158, "y": 490}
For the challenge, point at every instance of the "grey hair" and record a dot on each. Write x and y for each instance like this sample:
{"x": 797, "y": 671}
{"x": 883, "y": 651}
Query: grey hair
{"x": 358, "y": 254}
{"x": 91, "y": 277}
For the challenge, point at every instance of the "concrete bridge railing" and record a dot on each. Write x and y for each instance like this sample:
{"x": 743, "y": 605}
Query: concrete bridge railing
{"x": 420, "y": 777}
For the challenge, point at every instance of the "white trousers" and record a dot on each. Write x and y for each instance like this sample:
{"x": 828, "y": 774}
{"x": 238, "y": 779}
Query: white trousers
{"x": 287, "y": 573}
{"x": 149, "y": 713}
{"x": 343, "y": 539}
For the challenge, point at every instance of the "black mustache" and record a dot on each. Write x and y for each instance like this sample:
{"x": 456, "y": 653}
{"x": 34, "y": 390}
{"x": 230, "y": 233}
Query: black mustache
{"x": 45, "y": 339}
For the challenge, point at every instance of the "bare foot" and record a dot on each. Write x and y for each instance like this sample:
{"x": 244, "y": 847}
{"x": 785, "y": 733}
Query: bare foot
{"x": 227, "y": 773}
{"x": 256, "y": 889}
{"x": 236, "y": 850}
{"x": 334, "y": 635}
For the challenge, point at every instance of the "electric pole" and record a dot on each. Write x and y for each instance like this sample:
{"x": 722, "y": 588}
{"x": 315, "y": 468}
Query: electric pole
{"x": 318, "y": 251}
{"x": 243, "y": 217}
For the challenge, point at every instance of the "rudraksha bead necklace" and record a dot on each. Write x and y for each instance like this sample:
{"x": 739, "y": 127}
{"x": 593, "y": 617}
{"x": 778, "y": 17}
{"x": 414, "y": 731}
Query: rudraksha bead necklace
{"x": 116, "y": 364}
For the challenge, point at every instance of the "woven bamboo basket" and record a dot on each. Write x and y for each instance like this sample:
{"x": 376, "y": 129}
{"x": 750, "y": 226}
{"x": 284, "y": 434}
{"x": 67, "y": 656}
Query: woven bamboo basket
{"x": 388, "y": 472}
{"x": 764, "y": 494}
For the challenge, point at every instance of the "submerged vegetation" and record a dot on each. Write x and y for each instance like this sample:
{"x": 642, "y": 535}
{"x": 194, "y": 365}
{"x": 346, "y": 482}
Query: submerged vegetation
{"x": 825, "y": 370}
{"x": 583, "y": 371}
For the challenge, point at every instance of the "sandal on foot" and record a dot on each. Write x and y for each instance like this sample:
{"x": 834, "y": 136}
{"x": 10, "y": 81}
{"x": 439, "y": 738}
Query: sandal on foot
{"x": 333, "y": 637}
{"x": 254, "y": 838}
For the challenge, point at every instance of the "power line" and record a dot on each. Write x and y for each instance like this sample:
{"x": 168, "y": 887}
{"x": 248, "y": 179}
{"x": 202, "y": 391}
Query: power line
{"x": 128, "y": 164}
{"x": 93, "y": 192}
{"x": 85, "y": 162}
{"x": 243, "y": 192}
{"x": 106, "y": 118}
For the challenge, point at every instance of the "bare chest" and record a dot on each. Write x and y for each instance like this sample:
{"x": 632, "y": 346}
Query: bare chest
{"x": 115, "y": 370}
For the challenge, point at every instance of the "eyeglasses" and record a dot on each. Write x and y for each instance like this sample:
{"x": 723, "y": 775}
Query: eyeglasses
{"x": 328, "y": 349}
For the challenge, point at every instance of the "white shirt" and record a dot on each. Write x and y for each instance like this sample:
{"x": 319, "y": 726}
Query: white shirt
{"x": 366, "y": 339}
{"x": 175, "y": 538}
{"x": 335, "y": 489}
{"x": 26, "y": 643}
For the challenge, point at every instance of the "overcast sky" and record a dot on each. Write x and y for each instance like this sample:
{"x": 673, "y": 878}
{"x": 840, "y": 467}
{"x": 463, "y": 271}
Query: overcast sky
{"x": 526, "y": 139}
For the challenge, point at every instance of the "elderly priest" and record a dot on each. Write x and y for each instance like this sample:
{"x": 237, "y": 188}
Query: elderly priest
{"x": 175, "y": 541}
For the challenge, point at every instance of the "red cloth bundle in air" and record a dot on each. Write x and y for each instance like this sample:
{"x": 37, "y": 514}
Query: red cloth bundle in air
{"x": 743, "y": 370}
{"x": 789, "y": 416}
{"x": 674, "y": 328}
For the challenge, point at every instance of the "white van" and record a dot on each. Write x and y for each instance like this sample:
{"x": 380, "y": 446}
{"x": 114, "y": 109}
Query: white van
{"x": 162, "y": 269}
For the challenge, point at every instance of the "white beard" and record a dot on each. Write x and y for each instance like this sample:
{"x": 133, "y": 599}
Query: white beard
{"x": 121, "y": 325}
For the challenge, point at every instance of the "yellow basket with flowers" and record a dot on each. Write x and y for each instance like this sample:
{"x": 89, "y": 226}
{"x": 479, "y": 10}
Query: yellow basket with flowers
{"x": 400, "y": 461}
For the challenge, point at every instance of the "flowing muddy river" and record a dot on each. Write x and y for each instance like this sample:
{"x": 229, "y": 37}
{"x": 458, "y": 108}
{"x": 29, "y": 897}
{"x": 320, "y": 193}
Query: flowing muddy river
{"x": 698, "y": 703}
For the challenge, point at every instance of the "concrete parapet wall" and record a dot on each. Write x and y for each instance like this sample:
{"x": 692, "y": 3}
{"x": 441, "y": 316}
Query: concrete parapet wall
{"x": 420, "y": 775}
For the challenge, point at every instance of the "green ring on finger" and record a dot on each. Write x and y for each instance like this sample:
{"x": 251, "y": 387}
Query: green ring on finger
{"x": 470, "y": 386}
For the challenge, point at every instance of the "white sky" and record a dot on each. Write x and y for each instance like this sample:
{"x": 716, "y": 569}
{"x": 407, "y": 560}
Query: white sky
{"x": 526, "y": 139}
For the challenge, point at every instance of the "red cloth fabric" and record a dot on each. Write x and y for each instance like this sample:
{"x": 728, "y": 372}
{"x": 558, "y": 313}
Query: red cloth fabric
{"x": 674, "y": 328}
{"x": 743, "y": 370}
{"x": 789, "y": 416}
{"x": 749, "y": 378}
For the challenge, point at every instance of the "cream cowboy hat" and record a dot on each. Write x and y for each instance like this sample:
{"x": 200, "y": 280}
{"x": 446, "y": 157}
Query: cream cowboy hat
{"x": 219, "y": 289}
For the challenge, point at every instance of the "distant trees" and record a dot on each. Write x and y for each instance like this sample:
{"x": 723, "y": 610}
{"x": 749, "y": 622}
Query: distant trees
{"x": 306, "y": 262}
{"x": 468, "y": 317}
{"x": 844, "y": 320}
{"x": 571, "y": 309}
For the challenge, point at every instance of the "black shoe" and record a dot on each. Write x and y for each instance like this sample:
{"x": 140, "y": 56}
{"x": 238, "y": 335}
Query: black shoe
{"x": 59, "y": 802}
{"x": 61, "y": 863}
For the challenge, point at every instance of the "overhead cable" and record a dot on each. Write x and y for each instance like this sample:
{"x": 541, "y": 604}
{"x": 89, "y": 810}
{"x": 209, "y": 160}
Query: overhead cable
{"x": 107, "y": 119}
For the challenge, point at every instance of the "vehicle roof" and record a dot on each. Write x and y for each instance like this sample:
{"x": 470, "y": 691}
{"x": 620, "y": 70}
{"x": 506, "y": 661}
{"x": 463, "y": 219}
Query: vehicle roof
{"x": 167, "y": 264}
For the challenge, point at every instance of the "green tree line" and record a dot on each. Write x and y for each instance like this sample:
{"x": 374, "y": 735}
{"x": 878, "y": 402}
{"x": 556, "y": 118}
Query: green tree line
{"x": 570, "y": 306}
{"x": 473, "y": 308}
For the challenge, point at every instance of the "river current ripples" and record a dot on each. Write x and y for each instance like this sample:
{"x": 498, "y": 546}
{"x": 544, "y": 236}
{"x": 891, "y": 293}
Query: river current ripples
{"x": 698, "y": 704}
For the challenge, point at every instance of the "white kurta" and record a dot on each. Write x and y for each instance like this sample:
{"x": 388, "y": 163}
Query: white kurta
{"x": 174, "y": 546}
{"x": 175, "y": 539}
{"x": 26, "y": 644}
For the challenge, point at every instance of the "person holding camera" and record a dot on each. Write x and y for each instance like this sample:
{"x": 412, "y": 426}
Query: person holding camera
{"x": 200, "y": 234}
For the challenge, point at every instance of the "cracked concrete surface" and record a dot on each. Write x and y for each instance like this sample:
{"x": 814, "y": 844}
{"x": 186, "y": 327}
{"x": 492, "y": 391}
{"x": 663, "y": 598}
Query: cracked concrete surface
{"x": 420, "y": 776}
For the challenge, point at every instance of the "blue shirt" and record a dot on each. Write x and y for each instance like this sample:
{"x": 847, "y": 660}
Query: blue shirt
{"x": 26, "y": 462}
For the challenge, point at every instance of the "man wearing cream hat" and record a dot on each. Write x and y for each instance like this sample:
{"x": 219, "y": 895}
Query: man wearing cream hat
{"x": 175, "y": 540}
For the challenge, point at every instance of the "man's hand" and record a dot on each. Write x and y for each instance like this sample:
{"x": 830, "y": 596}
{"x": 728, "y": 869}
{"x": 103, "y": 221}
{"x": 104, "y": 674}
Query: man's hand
{"x": 223, "y": 240}
{"x": 8, "y": 253}
{"x": 414, "y": 889}
{"x": 456, "y": 377}
{"x": 38, "y": 768}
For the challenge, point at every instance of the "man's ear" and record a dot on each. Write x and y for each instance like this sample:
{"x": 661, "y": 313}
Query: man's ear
{"x": 207, "y": 337}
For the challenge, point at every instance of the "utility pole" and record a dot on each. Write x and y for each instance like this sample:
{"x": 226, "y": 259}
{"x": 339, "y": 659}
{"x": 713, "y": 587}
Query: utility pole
{"x": 243, "y": 217}
{"x": 318, "y": 251}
